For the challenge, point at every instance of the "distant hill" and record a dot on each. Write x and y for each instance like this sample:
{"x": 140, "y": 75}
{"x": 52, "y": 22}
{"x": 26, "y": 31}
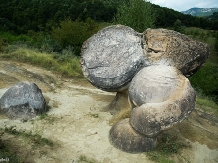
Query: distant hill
{"x": 200, "y": 11}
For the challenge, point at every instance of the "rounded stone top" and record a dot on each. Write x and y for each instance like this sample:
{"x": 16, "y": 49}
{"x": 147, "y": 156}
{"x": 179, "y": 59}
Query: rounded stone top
{"x": 154, "y": 84}
{"x": 112, "y": 57}
{"x": 21, "y": 93}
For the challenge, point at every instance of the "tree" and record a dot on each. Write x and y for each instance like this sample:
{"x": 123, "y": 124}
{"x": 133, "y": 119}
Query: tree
{"x": 74, "y": 33}
{"x": 178, "y": 26}
{"x": 161, "y": 20}
{"x": 215, "y": 25}
{"x": 137, "y": 14}
{"x": 216, "y": 43}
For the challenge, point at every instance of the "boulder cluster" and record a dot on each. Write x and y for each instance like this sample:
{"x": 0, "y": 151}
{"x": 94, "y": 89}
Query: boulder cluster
{"x": 153, "y": 67}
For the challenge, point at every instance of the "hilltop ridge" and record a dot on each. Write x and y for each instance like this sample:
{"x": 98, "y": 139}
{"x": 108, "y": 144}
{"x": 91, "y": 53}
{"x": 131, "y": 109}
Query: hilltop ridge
{"x": 200, "y": 11}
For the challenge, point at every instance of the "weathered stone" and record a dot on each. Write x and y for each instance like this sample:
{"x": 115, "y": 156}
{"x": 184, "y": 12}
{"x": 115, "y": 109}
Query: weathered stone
{"x": 155, "y": 84}
{"x": 112, "y": 57}
{"x": 167, "y": 47}
{"x": 23, "y": 101}
{"x": 152, "y": 66}
{"x": 124, "y": 137}
{"x": 161, "y": 97}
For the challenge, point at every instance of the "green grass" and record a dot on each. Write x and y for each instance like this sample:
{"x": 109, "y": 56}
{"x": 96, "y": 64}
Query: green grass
{"x": 206, "y": 78}
{"x": 158, "y": 157}
{"x": 207, "y": 104}
{"x": 94, "y": 115}
{"x": 70, "y": 67}
{"x": 84, "y": 159}
{"x": 9, "y": 150}
{"x": 14, "y": 38}
{"x": 47, "y": 118}
{"x": 6, "y": 153}
{"x": 36, "y": 139}
{"x": 169, "y": 144}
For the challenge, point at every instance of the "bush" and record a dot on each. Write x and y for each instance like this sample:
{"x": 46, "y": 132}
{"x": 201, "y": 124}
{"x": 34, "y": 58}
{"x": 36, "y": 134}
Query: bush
{"x": 178, "y": 26}
{"x": 137, "y": 14}
{"x": 74, "y": 33}
{"x": 206, "y": 79}
{"x": 3, "y": 44}
{"x": 65, "y": 54}
{"x": 216, "y": 43}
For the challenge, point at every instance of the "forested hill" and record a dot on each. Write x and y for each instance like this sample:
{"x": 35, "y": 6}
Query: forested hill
{"x": 21, "y": 15}
{"x": 41, "y": 15}
{"x": 200, "y": 11}
{"x": 213, "y": 17}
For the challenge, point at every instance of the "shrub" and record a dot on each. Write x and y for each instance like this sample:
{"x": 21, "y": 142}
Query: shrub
{"x": 74, "y": 33}
{"x": 216, "y": 43}
{"x": 3, "y": 44}
{"x": 206, "y": 79}
{"x": 137, "y": 14}
{"x": 178, "y": 26}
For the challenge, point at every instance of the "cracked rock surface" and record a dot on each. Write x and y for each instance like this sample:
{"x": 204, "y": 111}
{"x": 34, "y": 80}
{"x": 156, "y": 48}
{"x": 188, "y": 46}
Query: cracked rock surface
{"x": 168, "y": 47}
{"x": 23, "y": 101}
{"x": 112, "y": 57}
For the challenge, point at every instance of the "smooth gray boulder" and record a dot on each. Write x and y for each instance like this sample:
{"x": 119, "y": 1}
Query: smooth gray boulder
{"x": 23, "y": 101}
{"x": 112, "y": 57}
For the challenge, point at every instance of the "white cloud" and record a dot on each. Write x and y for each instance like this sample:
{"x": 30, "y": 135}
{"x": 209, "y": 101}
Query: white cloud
{"x": 185, "y": 4}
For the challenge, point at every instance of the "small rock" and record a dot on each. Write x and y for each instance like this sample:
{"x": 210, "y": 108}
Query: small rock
{"x": 23, "y": 101}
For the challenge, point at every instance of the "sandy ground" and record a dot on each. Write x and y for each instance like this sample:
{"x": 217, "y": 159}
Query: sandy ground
{"x": 78, "y": 126}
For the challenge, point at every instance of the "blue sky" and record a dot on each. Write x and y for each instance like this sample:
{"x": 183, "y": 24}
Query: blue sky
{"x": 183, "y": 5}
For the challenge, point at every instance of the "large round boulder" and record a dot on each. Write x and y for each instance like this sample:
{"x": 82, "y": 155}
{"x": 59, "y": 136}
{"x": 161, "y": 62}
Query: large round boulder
{"x": 23, "y": 101}
{"x": 112, "y": 57}
{"x": 161, "y": 97}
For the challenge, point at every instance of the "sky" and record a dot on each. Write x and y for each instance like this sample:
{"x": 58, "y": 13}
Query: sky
{"x": 183, "y": 5}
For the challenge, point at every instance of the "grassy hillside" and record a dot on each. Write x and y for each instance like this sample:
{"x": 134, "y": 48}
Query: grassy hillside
{"x": 201, "y": 11}
{"x": 206, "y": 79}
{"x": 65, "y": 64}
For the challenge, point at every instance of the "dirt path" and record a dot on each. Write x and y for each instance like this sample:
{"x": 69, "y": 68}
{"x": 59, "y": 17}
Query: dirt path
{"x": 79, "y": 127}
